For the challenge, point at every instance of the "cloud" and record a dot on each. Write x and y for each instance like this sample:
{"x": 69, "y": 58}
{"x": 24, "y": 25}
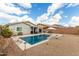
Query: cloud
{"x": 27, "y": 4}
{"x": 52, "y": 8}
{"x": 6, "y": 9}
{"x": 23, "y": 2}
{"x": 42, "y": 18}
{"x": 66, "y": 25}
{"x": 65, "y": 16}
{"x": 13, "y": 19}
{"x": 8, "y": 17}
{"x": 74, "y": 21}
{"x": 49, "y": 18}
{"x": 52, "y": 20}
{"x": 72, "y": 5}
{"x": 55, "y": 19}
{"x": 26, "y": 18}
{"x": 9, "y": 8}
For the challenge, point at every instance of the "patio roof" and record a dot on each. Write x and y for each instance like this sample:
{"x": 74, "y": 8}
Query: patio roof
{"x": 51, "y": 28}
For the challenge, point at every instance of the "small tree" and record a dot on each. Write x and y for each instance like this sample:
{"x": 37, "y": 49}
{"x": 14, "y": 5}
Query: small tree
{"x": 0, "y": 29}
{"x": 6, "y": 32}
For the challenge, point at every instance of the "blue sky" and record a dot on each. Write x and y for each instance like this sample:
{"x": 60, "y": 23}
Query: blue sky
{"x": 38, "y": 9}
{"x": 48, "y": 13}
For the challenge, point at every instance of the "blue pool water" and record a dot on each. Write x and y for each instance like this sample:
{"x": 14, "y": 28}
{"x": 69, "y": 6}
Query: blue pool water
{"x": 35, "y": 39}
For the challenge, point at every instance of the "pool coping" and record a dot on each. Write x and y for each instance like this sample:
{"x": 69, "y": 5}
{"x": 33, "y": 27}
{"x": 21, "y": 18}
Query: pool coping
{"x": 21, "y": 43}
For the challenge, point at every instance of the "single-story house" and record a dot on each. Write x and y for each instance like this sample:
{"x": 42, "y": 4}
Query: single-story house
{"x": 42, "y": 27}
{"x": 23, "y": 27}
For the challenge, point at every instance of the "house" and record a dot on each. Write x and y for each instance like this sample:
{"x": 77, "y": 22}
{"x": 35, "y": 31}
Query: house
{"x": 23, "y": 27}
{"x": 42, "y": 27}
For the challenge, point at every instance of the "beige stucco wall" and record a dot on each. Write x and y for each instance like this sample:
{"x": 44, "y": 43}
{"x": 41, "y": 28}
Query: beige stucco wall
{"x": 25, "y": 28}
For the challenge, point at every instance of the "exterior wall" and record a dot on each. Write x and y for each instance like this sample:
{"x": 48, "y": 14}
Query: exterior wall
{"x": 25, "y": 28}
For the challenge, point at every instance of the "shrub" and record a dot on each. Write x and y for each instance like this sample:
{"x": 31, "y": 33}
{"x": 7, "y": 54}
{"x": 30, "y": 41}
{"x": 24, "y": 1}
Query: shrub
{"x": 20, "y": 33}
{"x": 5, "y": 32}
{"x": 0, "y": 29}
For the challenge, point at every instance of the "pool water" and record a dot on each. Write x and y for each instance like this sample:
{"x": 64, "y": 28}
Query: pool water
{"x": 35, "y": 39}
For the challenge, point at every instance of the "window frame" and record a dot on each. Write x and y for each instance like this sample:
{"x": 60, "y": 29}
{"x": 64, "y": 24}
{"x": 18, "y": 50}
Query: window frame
{"x": 19, "y": 28}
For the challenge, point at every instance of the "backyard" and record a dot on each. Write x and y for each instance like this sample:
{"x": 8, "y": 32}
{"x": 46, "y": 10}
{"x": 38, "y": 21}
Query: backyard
{"x": 65, "y": 46}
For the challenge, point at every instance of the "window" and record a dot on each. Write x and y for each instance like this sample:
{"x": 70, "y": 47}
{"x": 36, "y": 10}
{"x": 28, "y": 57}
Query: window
{"x": 19, "y": 28}
{"x": 31, "y": 28}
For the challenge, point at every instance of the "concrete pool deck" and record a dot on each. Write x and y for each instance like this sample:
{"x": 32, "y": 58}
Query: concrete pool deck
{"x": 67, "y": 45}
{"x": 23, "y": 45}
{"x": 64, "y": 46}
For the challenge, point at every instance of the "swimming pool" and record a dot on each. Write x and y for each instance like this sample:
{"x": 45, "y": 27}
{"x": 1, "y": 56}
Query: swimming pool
{"x": 35, "y": 39}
